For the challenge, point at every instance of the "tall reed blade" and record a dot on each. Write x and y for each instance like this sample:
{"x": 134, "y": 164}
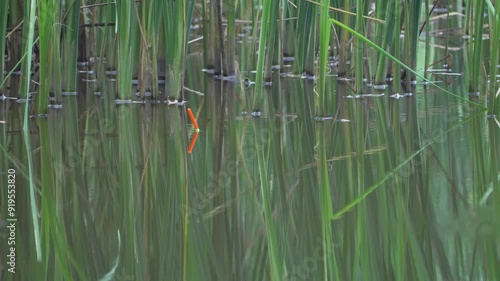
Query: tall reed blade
{"x": 48, "y": 12}
{"x": 126, "y": 27}
{"x": 4, "y": 8}
{"x": 411, "y": 19}
{"x": 388, "y": 32}
{"x": 272, "y": 41}
{"x": 329, "y": 263}
{"x": 358, "y": 47}
{"x": 152, "y": 12}
{"x": 494, "y": 98}
{"x": 344, "y": 53}
{"x": 30, "y": 10}
{"x": 229, "y": 60}
{"x": 324, "y": 39}
{"x": 176, "y": 25}
{"x": 263, "y": 35}
{"x": 476, "y": 47}
{"x": 274, "y": 255}
{"x": 400, "y": 63}
{"x": 217, "y": 36}
{"x": 305, "y": 30}
{"x": 71, "y": 44}
{"x": 396, "y": 72}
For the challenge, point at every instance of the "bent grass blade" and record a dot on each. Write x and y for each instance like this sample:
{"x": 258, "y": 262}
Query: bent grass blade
{"x": 382, "y": 51}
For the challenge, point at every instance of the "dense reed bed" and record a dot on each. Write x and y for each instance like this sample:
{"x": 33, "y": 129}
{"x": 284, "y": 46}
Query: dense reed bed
{"x": 324, "y": 184}
{"x": 145, "y": 33}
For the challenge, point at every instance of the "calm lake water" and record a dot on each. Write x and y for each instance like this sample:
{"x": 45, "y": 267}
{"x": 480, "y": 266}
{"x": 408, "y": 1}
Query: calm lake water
{"x": 117, "y": 192}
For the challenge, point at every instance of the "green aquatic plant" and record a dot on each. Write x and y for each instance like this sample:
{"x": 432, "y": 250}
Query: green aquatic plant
{"x": 494, "y": 22}
{"x": 476, "y": 45}
{"x": 150, "y": 15}
{"x": 400, "y": 63}
{"x": 72, "y": 39}
{"x": 316, "y": 186}
{"x": 4, "y": 8}
{"x": 126, "y": 29}
{"x": 176, "y": 24}
{"x": 49, "y": 45}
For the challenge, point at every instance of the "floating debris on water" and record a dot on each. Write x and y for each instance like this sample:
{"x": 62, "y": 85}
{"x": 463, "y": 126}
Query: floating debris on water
{"x": 55, "y": 106}
{"x": 364, "y": 96}
{"x": 398, "y": 96}
{"x": 323, "y": 118}
{"x": 328, "y": 118}
{"x": 248, "y": 82}
{"x": 176, "y": 102}
{"x": 123, "y": 101}
{"x": 379, "y": 86}
{"x": 3, "y": 97}
{"x": 146, "y": 94}
{"x": 45, "y": 115}
{"x": 256, "y": 113}
{"x": 209, "y": 71}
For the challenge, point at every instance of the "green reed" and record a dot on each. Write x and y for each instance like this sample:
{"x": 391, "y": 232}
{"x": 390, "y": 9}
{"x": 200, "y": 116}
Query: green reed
{"x": 396, "y": 72}
{"x": 17, "y": 46}
{"x": 151, "y": 14}
{"x": 358, "y": 47}
{"x": 230, "y": 38}
{"x": 29, "y": 31}
{"x": 287, "y": 13}
{"x": 324, "y": 40}
{"x": 385, "y": 33}
{"x": 476, "y": 45}
{"x": 263, "y": 36}
{"x": 4, "y": 9}
{"x": 217, "y": 36}
{"x": 126, "y": 28}
{"x": 132, "y": 209}
{"x": 494, "y": 22}
{"x": 427, "y": 23}
{"x": 344, "y": 54}
{"x": 138, "y": 24}
{"x": 494, "y": 98}
{"x": 329, "y": 261}
{"x": 305, "y": 30}
{"x": 400, "y": 63}
{"x": 273, "y": 42}
{"x": 176, "y": 24}
{"x": 49, "y": 32}
{"x": 70, "y": 44}
{"x": 412, "y": 10}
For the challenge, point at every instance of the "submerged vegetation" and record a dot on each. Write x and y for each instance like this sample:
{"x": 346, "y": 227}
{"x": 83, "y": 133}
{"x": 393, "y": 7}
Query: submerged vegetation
{"x": 324, "y": 183}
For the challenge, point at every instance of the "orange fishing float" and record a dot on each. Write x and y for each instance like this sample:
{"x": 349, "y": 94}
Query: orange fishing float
{"x": 193, "y": 141}
{"x": 191, "y": 116}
